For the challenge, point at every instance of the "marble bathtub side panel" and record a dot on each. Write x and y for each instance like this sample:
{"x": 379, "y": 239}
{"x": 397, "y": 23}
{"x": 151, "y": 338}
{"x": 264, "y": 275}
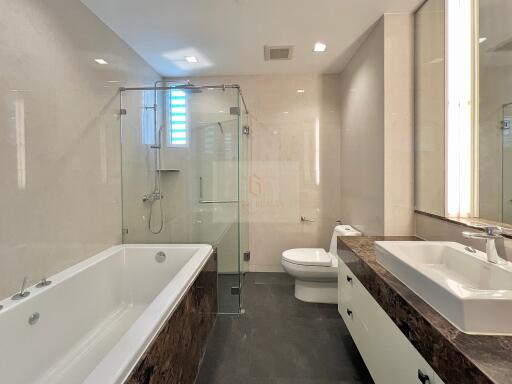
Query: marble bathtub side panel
{"x": 175, "y": 354}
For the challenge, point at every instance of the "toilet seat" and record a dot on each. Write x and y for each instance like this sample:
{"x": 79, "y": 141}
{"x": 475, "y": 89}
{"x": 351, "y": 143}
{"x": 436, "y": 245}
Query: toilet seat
{"x": 308, "y": 256}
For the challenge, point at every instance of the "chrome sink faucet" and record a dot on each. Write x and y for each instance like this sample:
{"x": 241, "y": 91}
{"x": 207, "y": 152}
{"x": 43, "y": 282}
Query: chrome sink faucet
{"x": 490, "y": 235}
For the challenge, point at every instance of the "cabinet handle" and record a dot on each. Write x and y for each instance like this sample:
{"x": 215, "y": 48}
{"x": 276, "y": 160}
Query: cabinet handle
{"x": 423, "y": 378}
{"x": 349, "y": 279}
{"x": 349, "y": 312}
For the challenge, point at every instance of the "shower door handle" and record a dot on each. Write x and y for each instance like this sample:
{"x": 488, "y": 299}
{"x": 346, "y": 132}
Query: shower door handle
{"x": 200, "y": 188}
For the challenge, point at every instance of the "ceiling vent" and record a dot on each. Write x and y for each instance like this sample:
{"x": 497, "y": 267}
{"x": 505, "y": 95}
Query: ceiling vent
{"x": 282, "y": 52}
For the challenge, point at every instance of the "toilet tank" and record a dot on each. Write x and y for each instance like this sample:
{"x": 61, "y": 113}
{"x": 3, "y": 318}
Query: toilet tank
{"x": 341, "y": 230}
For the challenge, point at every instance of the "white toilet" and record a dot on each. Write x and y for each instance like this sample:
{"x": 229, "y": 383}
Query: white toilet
{"x": 316, "y": 271}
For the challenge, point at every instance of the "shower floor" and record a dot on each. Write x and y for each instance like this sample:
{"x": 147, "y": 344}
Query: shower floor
{"x": 281, "y": 340}
{"x": 228, "y": 303}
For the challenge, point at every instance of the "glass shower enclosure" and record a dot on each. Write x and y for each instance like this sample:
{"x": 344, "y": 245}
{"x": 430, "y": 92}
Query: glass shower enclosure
{"x": 184, "y": 154}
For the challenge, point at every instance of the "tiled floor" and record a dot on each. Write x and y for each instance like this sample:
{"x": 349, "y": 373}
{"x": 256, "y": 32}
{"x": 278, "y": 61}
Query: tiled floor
{"x": 281, "y": 340}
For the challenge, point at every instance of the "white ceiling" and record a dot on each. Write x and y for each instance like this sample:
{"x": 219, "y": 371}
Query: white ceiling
{"x": 228, "y": 36}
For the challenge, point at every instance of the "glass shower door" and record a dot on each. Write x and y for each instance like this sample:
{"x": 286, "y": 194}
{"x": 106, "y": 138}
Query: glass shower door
{"x": 244, "y": 172}
{"x": 214, "y": 127}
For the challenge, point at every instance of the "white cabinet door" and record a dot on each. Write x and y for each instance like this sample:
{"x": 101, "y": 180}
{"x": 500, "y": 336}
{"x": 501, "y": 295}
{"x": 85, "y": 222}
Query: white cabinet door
{"x": 344, "y": 289}
{"x": 389, "y": 356}
{"x": 393, "y": 359}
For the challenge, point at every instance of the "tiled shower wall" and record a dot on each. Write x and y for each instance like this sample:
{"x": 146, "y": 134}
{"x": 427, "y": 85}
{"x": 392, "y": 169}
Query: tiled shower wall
{"x": 294, "y": 162}
{"x": 59, "y": 136}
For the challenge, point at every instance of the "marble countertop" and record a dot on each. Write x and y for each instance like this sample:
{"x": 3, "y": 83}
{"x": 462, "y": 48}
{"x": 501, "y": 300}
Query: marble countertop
{"x": 457, "y": 358}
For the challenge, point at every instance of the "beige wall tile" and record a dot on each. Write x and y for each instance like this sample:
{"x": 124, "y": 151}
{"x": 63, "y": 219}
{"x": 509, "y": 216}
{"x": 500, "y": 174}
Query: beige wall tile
{"x": 376, "y": 131}
{"x": 362, "y": 136}
{"x": 398, "y": 121}
{"x": 59, "y": 136}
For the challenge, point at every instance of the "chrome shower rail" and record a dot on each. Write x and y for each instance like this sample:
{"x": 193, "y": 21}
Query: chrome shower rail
{"x": 186, "y": 86}
{"x": 218, "y": 201}
{"x": 221, "y": 86}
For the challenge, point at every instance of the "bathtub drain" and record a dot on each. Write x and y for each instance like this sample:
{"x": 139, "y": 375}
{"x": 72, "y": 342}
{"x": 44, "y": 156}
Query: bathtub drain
{"x": 160, "y": 257}
{"x": 34, "y": 318}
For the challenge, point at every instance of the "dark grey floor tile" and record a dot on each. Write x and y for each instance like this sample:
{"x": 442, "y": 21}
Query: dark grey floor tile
{"x": 313, "y": 381}
{"x": 281, "y": 340}
{"x": 231, "y": 379}
{"x": 270, "y": 278}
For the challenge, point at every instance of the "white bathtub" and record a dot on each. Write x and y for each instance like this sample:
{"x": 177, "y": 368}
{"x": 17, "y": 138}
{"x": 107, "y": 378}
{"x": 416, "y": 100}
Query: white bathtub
{"x": 98, "y": 317}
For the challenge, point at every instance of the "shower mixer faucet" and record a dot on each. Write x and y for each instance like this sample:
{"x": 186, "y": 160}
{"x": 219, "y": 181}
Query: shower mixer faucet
{"x": 153, "y": 196}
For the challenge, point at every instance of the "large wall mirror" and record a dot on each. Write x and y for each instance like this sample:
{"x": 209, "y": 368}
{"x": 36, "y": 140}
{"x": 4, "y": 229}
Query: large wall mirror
{"x": 483, "y": 143}
{"x": 495, "y": 109}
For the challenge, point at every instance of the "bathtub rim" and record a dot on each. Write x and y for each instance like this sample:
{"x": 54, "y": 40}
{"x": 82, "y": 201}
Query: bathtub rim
{"x": 117, "y": 365}
{"x": 59, "y": 277}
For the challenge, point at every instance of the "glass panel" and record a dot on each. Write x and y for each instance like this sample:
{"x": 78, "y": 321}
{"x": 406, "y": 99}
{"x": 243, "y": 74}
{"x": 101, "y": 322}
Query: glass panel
{"x": 244, "y": 196}
{"x": 187, "y": 194}
{"x": 214, "y": 141}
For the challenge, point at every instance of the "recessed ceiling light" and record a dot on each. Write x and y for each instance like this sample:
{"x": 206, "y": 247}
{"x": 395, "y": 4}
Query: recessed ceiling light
{"x": 101, "y": 61}
{"x": 482, "y": 40}
{"x": 300, "y": 91}
{"x": 319, "y": 47}
{"x": 191, "y": 59}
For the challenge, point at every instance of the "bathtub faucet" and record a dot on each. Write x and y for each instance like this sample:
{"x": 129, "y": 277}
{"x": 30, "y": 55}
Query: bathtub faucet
{"x": 22, "y": 293}
{"x": 43, "y": 283}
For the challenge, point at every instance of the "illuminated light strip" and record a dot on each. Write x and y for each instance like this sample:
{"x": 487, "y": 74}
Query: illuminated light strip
{"x": 459, "y": 157}
{"x": 317, "y": 151}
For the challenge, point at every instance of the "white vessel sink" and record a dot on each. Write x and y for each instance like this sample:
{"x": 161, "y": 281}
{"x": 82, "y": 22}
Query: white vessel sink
{"x": 471, "y": 293}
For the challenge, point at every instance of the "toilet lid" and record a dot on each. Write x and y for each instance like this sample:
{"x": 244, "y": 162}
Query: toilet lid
{"x": 308, "y": 256}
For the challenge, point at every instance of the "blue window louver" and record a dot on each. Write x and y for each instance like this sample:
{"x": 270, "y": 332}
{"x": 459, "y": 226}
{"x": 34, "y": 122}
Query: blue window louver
{"x": 178, "y": 118}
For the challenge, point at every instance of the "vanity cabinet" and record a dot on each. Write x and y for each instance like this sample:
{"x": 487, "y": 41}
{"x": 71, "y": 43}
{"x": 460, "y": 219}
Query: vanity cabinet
{"x": 389, "y": 356}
